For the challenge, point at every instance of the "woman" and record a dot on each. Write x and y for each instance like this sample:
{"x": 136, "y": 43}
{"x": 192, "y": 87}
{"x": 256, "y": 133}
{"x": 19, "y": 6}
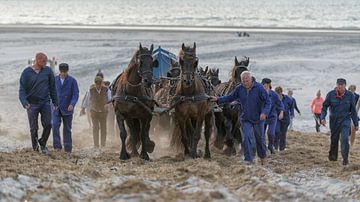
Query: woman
{"x": 316, "y": 106}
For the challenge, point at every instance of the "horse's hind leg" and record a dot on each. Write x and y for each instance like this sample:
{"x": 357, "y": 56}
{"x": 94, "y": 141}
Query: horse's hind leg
{"x": 209, "y": 121}
{"x": 144, "y": 126}
{"x": 229, "y": 140}
{"x": 123, "y": 154}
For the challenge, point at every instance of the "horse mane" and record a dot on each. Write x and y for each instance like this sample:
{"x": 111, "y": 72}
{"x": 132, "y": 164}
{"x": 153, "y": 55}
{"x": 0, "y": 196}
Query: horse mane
{"x": 125, "y": 74}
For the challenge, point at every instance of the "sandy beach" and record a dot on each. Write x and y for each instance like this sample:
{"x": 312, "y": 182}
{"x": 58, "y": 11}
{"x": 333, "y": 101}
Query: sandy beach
{"x": 301, "y": 61}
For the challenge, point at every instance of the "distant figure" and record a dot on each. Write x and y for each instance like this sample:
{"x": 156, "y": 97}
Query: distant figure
{"x": 98, "y": 98}
{"x": 68, "y": 95}
{"x": 283, "y": 124}
{"x": 342, "y": 109}
{"x": 292, "y": 109}
{"x": 316, "y": 106}
{"x": 276, "y": 113}
{"x": 37, "y": 87}
{"x": 352, "y": 88}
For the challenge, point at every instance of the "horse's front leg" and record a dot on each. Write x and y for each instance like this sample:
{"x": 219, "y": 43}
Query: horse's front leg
{"x": 196, "y": 137}
{"x": 145, "y": 140}
{"x": 120, "y": 121}
{"x": 209, "y": 122}
{"x": 134, "y": 126}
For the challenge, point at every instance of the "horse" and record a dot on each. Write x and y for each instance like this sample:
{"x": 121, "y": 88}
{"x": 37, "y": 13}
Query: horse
{"x": 192, "y": 105}
{"x": 227, "y": 123}
{"x": 133, "y": 102}
{"x": 213, "y": 76}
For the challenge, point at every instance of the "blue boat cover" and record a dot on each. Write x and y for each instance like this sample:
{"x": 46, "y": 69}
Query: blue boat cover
{"x": 165, "y": 59}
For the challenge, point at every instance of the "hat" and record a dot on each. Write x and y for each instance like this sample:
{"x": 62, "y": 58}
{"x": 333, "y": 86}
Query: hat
{"x": 341, "y": 81}
{"x": 266, "y": 81}
{"x": 100, "y": 74}
{"x": 63, "y": 67}
{"x": 98, "y": 79}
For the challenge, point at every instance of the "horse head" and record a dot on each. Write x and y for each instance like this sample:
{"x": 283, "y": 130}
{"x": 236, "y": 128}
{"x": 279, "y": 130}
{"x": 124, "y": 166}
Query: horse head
{"x": 239, "y": 67}
{"x": 202, "y": 72}
{"x": 213, "y": 76}
{"x": 188, "y": 64}
{"x": 145, "y": 63}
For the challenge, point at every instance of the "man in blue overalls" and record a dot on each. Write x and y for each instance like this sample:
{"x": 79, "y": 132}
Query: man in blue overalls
{"x": 255, "y": 107}
{"x": 276, "y": 112}
{"x": 68, "y": 95}
{"x": 342, "y": 109}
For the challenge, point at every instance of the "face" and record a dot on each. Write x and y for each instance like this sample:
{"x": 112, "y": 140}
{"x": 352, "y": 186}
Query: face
{"x": 41, "y": 61}
{"x": 267, "y": 86}
{"x": 246, "y": 80}
{"x": 63, "y": 74}
{"x": 145, "y": 65}
{"x": 341, "y": 87}
{"x": 290, "y": 93}
{"x": 98, "y": 84}
{"x": 318, "y": 95}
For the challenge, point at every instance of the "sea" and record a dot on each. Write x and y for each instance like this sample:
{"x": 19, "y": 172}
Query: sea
{"x": 327, "y": 14}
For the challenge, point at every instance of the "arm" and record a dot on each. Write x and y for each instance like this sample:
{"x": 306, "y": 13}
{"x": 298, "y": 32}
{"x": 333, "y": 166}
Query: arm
{"x": 52, "y": 88}
{"x": 86, "y": 100}
{"x": 267, "y": 106}
{"x": 22, "y": 91}
{"x": 353, "y": 112}
{"x": 358, "y": 106}
{"x": 233, "y": 95}
{"x": 296, "y": 107}
{"x": 109, "y": 95}
{"x": 326, "y": 105}
{"x": 312, "y": 105}
{"x": 75, "y": 95}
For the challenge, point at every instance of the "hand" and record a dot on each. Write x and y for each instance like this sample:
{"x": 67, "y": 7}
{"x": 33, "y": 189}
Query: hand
{"x": 70, "y": 108}
{"x": 27, "y": 106}
{"x": 299, "y": 114}
{"x": 82, "y": 111}
{"x": 281, "y": 115}
{"x": 262, "y": 116}
{"x": 56, "y": 108}
{"x": 213, "y": 99}
{"x": 356, "y": 128}
{"x": 323, "y": 122}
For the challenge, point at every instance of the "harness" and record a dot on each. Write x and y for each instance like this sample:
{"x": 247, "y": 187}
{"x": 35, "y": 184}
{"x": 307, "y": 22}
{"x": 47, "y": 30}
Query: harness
{"x": 141, "y": 100}
{"x": 178, "y": 99}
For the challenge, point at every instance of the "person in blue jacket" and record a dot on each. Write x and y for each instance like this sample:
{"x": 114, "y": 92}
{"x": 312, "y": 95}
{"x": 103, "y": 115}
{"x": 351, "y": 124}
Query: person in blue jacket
{"x": 292, "y": 109}
{"x": 36, "y": 89}
{"x": 276, "y": 113}
{"x": 283, "y": 124}
{"x": 341, "y": 103}
{"x": 68, "y": 95}
{"x": 255, "y": 107}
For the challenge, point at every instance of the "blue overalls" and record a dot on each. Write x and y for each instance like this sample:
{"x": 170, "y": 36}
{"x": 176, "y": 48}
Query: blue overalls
{"x": 282, "y": 125}
{"x": 276, "y": 107}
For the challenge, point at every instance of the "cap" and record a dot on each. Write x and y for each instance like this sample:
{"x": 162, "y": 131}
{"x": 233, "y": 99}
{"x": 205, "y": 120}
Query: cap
{"x": 63, "y": 67}
{"x": 341, "y": 81}
{"x": 266, "y": 81}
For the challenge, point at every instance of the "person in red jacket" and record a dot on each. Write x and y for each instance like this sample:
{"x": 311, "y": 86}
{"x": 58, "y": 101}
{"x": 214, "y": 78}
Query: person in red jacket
{"x": 316, "y": 106}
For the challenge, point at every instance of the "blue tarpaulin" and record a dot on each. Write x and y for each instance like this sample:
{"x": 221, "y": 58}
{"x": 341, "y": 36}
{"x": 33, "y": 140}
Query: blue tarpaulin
{"x": 165, "y": 59}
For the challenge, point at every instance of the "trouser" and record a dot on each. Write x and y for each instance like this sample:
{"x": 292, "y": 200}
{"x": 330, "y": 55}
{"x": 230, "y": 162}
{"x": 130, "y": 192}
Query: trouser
{"x": 280, "y": 133}
{"x": 111, "y": 122}
{"x": 317, "y": 122}
{"x": 33, "y": 115}
{"x": 99, "y": 124}
{"x": 270, "y": 132}
{"x": 291, "y": 123}
{"x": 257, "y": 130}
{"x": 67, "y": 124}
{"x": 336, "y": 129}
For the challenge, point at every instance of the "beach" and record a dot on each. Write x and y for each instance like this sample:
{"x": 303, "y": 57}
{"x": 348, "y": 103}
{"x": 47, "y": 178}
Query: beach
{"x": 301, "y": 61}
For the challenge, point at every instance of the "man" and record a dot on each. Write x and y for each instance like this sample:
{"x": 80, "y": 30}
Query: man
{"x": 342, "y": 108}
{"x": 276, "y": 112}
{"x": 316, "y": 106}
{"x": 255, "y": 107}
{"x": 37, "y": 87}
{"x": 68, "y": 95}
{"x": 283, "y": 124}
{"x": 99, "y": 96}
{"x": 292, "y": 109}
{"x": 352, "y": 88}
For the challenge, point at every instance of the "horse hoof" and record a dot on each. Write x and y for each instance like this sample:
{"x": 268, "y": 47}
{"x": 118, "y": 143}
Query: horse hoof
{"x": 124, "y": 156}
{"x": 134, "y": 154}
{"x": 150, "y": 146}
{"x": 145, "y": 156}
{"x": 207, "y": 156}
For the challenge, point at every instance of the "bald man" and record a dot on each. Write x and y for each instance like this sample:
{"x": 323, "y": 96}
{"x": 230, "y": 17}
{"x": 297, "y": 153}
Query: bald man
{"x": 37, "y": 89}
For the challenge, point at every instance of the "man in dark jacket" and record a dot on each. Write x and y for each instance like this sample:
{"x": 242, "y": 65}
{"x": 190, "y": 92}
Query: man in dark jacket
{"x": 37, "y": 87}
{"x": 292, "y": 109}
{"x": 68, "y": 95}
{"x": 255, "y": 107}
{"x": 342, "y": 109}
{"x": 276, "y": 113}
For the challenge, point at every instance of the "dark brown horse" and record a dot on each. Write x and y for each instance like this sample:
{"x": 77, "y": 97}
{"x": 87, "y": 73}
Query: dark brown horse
{"x": 213, "y": 76}
{"x": 192, "y": 106}
{"x": 227, "y": 123}
{"x": 133, "y": 102}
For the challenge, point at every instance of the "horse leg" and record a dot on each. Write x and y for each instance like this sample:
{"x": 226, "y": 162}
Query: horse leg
{"x": 196, "y": 137}
{"x": 120, "y": 121}
{"x": 134, "y": 136}
{"x": 149, "y": 144}
{"x": 229, "y": 140}
{"x": 209, "y": 119}
{"x": 144, "y": 140}
{"x": 184, "y": 136}
{"x": 220, "y": 128}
